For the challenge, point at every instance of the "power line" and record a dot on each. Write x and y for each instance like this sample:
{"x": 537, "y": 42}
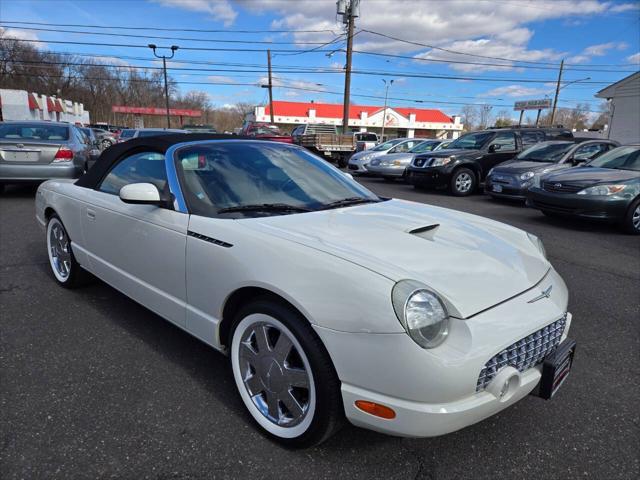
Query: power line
{"x": 319, "y": 70}
{"x": 191, "y": 39}
{"x": 164, "y": 29}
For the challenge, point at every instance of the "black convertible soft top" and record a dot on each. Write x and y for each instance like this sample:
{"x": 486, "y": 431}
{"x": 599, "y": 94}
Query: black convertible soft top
{"x": 161, "y": 143}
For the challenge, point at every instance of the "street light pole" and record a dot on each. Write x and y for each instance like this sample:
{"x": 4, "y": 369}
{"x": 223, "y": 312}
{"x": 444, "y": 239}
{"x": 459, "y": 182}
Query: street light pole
{"x": 384, "y": 110}
{"x": 164, "y": 68}
{"x": 555, "y": 99}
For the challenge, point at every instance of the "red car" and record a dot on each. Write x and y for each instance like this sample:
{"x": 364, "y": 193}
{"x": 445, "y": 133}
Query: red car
{"x": 265, "y": 131}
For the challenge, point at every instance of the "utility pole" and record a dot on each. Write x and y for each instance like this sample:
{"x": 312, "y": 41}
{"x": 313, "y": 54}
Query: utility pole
{"x": 384, "y": 110}
{"x": 349, "y": 9}
{"x": 555, "y": 99}
{"x": 164, "y": 68}
{"x": 270, "y": 86}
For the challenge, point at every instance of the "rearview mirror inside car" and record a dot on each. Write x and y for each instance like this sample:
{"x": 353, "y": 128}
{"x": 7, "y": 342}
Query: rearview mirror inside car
{"x": 140, "y": 193}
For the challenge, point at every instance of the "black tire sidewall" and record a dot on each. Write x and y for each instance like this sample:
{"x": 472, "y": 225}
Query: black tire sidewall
{"x": 329, "y": 411}
{"x": 452, "y": 183}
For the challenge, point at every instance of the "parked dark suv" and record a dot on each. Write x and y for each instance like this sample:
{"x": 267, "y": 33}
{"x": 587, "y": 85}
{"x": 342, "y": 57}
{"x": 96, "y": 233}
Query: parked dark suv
{"x": 466, "y": 161}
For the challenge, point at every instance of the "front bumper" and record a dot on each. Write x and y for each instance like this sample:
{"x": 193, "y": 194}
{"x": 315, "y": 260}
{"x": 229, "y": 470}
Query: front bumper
{"x": 37, "y": 172}
{"x": 433, "y": 392}
{"x": 428, "y": 176}
{"x": 358, "y": 166}
{"x": 510, "y": 187}
{"x": 387, "y": 170}
{"x": 607, "y": 208}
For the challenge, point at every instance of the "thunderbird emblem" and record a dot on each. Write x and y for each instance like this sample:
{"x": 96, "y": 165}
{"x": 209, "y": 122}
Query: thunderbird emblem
{"x": 545, "y": 294}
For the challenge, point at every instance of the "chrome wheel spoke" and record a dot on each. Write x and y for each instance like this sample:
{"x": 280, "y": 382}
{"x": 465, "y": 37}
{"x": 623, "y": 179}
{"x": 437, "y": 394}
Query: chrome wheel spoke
{"x": 254, "y": 385}
{"x": 262, "y": 339}
{"x": 272, "y": 405}
{"x": 297, "y": 377}
{"x": 290, "y": 402}
{"x": 282, "y": 348}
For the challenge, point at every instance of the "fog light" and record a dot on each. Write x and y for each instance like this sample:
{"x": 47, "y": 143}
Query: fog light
{"x": 504, "y": 384}
{"x": 376, "y": 409}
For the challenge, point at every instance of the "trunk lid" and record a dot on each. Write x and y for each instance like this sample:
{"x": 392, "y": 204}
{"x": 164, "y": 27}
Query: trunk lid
{"x": 28, "y": 152}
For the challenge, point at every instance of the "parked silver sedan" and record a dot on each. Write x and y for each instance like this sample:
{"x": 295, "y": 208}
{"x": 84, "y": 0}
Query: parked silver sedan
{"x": 393, "y": 165}
{"x": 359, "y": 161}
{"x": 32, "y": 151}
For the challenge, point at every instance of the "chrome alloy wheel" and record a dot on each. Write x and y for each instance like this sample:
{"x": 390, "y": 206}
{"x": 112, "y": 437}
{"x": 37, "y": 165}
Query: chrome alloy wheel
{"x": 635, "y": 218}
{"x": 273, "y": 375}
{"x": 59, "y": 250}
{"x": 463, "y": 182}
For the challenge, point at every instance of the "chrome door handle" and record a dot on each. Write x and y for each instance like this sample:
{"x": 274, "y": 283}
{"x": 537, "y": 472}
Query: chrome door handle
{"x": 91, "y": 214}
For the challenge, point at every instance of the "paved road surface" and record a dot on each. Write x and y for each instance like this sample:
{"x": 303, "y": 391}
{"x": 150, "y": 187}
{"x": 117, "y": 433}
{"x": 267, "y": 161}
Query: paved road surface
{"x": 93, "y": 385}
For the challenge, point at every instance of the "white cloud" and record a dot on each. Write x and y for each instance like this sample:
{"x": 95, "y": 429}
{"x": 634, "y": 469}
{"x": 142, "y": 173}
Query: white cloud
{"x": 624, "y": 7}
{"x": 221, "y": 10}
{"x": 21, "y": 35}
{"x": 635, "y": 58}
{"x": 602, "y": 48}
{"x": 517, "y": 91}
{"x": 221, "y": 79}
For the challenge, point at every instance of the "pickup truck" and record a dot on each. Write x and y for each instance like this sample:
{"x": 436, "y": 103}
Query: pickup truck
{"x": 325, "y": 140}
{"x": 365, "y": 140}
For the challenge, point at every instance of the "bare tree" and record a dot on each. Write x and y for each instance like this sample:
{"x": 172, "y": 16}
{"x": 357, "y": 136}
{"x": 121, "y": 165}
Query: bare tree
{"x": 484, "y": 114}
{"x": 503, "y": 118}
{"x": 469, "y": 115}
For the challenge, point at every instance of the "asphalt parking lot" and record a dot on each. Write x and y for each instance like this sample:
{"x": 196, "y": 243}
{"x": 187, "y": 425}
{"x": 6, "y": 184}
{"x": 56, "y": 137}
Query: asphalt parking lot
{"x": 95, "y": 386}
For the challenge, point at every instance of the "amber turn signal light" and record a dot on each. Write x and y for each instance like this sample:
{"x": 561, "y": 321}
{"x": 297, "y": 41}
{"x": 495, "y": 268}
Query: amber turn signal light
{"x": 376, "y": 409}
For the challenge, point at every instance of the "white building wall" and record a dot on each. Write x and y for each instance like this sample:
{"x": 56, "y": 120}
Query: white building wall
{"x": 625, "y": 121}
{"x": 15, "y": 106}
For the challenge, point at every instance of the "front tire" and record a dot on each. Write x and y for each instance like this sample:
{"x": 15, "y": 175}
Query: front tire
{"x": 463, "y": 182}
{"x": 284, "y": 375}
{"x": 66, "y": 270}
{"x": 631, "y": 222}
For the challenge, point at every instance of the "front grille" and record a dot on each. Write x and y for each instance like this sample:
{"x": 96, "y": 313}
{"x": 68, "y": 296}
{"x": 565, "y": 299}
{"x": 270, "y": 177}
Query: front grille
{"x": 525, "y": 353}
{"x": 420, "y": 161}
{"x": 558, "y": 187}
{"x": 353, "y": 167}
{"x": 553, "y": 207}
{"x": 503, "y": 179}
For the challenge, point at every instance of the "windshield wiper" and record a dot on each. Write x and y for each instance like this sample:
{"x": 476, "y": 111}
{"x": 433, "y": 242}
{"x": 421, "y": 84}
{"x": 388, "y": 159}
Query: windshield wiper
{"x": 344, "y": 202}
{"x": 265, "y": 207}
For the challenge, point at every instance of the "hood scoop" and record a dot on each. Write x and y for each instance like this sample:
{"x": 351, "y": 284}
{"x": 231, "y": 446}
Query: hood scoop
{"x": 426, "y": 232}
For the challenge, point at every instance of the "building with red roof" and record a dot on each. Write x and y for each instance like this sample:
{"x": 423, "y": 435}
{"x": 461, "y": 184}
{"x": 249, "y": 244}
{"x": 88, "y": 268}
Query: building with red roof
{"x": 398, "y": 121}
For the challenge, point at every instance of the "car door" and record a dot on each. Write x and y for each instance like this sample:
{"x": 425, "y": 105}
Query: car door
{"x": 404, "y": 146}
{"x": 138, "y": 249}
{"x": 503, "y": 147}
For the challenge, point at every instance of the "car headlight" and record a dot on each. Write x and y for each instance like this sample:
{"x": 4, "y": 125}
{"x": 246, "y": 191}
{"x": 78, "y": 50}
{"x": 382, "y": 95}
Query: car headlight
{"x": 538, "y": 243}
{"x": 421, "y": 312}
{"x": 438, "y": 162}
{"x": 526, "y": 175}
{"x": 602, "y": 190}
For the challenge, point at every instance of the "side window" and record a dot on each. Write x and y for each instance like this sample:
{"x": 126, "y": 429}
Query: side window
{"x": 589, "y": 152}
{"x": 531, "y": 137}
{"x": 506, "y": 140}
{"x": 144, "y": 167}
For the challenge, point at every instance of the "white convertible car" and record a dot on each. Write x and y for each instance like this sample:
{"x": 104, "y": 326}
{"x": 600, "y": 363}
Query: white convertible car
{"x": 331, "y": 302}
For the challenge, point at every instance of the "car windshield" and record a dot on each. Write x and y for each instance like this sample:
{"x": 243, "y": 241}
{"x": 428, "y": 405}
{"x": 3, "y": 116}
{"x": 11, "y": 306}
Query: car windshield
{"x": 472, "y": 141}
{"x": 238, "y": 179}
{"x": 152, "y": 133}
{"x": 546, "y": 152}
{"x": 366, "y": 137}
{"x": 424, "y": 147}
{"x": 266, "y": 130}
{"x": 621, "y": 158}
{"x": 386, "y": 145}
{"x": 33, "y": 131}
{"x": 127, "y": 133}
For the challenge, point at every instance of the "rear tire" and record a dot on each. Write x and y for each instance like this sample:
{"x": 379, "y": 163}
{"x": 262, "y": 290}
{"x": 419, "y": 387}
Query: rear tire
{"x": 463, "y": 182}
{"x": 284, "y": 375}
{"x": 343, "y": 161}
{"x": 631, "y": 222}
{"x": 66, "y": 270}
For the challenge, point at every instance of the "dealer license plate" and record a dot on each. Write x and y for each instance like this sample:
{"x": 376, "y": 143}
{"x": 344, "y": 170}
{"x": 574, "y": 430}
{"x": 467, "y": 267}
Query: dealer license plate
{"x": 556, "y": 368}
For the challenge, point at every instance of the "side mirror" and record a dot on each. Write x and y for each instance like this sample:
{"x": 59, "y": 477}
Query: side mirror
{"x": 494, "y": 147}
{"x": 141, "y": 194}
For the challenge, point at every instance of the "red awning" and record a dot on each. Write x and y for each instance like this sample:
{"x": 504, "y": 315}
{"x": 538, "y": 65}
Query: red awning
{"x": 61, "y": 106}
{"x": 33, "y": 103}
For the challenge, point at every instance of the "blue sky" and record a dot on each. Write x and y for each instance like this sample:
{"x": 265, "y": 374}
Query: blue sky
{"x": 598, "y": 39}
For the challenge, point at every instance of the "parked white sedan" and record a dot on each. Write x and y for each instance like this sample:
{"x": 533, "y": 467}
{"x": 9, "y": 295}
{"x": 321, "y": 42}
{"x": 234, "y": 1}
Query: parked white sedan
{"x": 331, "y": 301}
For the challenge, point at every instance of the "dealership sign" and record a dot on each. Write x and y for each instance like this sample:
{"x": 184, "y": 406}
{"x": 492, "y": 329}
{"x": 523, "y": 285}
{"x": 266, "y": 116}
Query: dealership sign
{"x": 178, "y": 112}
{"x": 533, "y": 104}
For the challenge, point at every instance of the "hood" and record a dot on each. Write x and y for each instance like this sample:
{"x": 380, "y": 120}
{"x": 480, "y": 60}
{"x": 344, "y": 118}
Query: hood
{"x": 472, "y": 262}
{"x": 389, "y": 158}
{"x": 521, "y": 166}
{"x": 368, "y": 154}
{"x": 456, "y": 152}
{"x": 586, "y": 176}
